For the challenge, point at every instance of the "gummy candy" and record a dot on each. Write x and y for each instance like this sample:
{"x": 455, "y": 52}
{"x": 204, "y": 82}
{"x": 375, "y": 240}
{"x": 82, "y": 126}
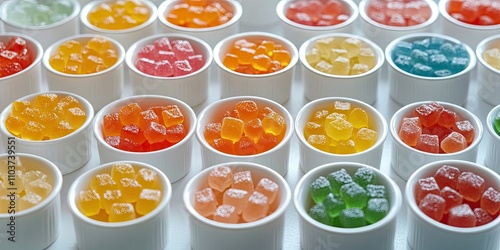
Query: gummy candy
{"x": 202, "y": 14}
{"x": 119, "y": 15}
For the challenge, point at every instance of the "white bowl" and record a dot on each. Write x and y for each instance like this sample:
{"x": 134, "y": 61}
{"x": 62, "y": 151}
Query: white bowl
{"x": 211, "y": 35}
{"x": 318, "y": 84}
{"x": 191, "y": 88}
{"x": 275, "y": 86}
{"x": 488, "y": 77}
{"x": 275, "y": 158}
{"x": 426, "y": 233}
{"x": 98, "y": 88}
{"x": 46, "y": 34}
{"x": 147, "y": 232}
{"x": 40, "y": 225}
{"x": 493, "y": 150}
{"x": 266, "y": 233}
{"x": 467, "y": 33}
{"x": 311, "y": 157}
{"x": 26, "y": 82}
{"x": 125, "y": 36}
{"x": 299, "y": 33}
{"x": 69, "y": 152}
{"x": 383, "y": 34}
{"x": 405, "y": 160}
{"x": 406, "y": 88}
{"x": 315, "y": 235}
{"x": 174, "y": 161}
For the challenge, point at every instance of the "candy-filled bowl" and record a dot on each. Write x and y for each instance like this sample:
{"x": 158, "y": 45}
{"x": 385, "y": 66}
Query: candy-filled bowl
{"x": 341, "y": 64}
{"x": 131, "y": 20}
{"x": 174, "y": 65}
{"x": 94, "y": 71}
{"x": 245, "y": 129}
{"x": 488, "y": 69}
{"x": 330, "y": 200}
{"x": 469, "y": 21}
{"x": 492, "y": 125}
{"x": 256, "y": 64}
{"x": 255, "y": 198}
{"x": 46, "y": 21}
{"x": 429, "y": 66}
{"x": 26, "y": 73}
{"x": 357, "y": 135}
{"x": 210, "y": 21}
{"x": 425, "y": 132}
{"x": 153, "y": 129}
{"x": 302, "y": 19}
{"x": 55, "y": 125}
{"x": 30, "y": 210}
{"x": 121, "y": 205}
{"x": 469, "y": 220}
{"x": 384, "y": 21}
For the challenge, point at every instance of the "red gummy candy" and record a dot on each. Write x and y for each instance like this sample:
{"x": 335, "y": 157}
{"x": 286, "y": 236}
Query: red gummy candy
{"x": 466, "y": 129}
{"x": 433, "y": 206}
{"x": 426, "y": 186}
{"x": 428, "y": 113}
{"x": 454, "y": 142}
{"x": 461, "y": 216}
{"x": 428, "y": 143}
{"x": 447, "y": 175}
{"x": 447, "y": 118}
{"x": 452, "y": 198}
{"x": 490, "y": 201}
{"x": 482, "y": 217}
{"x": 409, "y": 132}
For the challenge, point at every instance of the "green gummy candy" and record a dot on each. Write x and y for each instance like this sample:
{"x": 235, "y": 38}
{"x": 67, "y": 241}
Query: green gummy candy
{"x": 337, "y": 179}
{"x": 364, "y": 176}
{"x": 334, "y": 205}
{"x": 352, "y": 217}
{"x": 319, "y": 189}
{"x": 376, "y": 209}
{"x": 375, "y": 191}
{"x": 318, "y": 213}
{"x": 496, "y": 123}
{"x": 354, "y": 195}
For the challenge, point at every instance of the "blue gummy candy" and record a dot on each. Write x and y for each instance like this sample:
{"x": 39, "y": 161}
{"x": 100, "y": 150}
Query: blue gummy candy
{"x": 460, "y": 51}
{"x": 419, "y": 56}
{"x": 422, "y": 70}
{"x": 404, "y": 62}
{"x": 402, "y": 48}
{"x": 443, "y": 73}
{"x": 458, "y": 64}
{"x": 438, "y": 61}
{"x": 422, "y": 44}
{"x": 448, "y": 50}
{"x": 436, "y": 42}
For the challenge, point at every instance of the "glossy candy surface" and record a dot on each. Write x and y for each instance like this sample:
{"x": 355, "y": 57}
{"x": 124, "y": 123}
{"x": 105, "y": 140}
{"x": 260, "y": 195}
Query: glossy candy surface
{"x": 119, "y": 15}
{"x": 477, "y": 12}
{"x": 39, "y": 12}
{"x": 14, "y": 56}
{"x": 317, "y": 12}
{"x": 398, "y": 13}
{"x": 199, "y": 13}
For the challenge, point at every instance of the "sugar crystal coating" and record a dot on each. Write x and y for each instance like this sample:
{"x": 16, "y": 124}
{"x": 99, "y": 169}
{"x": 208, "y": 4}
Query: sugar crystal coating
{"x": 119, "y": 15}
{"x": 475, "y": 12}
{"x": 199, "y": 14}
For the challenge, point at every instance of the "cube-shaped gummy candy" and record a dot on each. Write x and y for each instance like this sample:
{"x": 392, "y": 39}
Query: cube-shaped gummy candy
{"x": 333, "y": 205}
{"x": 352, "y": 217}
{"x": 337, "y": 179}
{"x": 364, "y": 176}
{"x": 319, "y": 189}
{"x": 376, "y": 209}
{"x": 354, "y": 195}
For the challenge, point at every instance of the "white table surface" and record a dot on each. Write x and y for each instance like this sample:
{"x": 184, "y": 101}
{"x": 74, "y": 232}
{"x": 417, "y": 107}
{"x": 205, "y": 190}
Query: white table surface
{"x": 179, "y": 236}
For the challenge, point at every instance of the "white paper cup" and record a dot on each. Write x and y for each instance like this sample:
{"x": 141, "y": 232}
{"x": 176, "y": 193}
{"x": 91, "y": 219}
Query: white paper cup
{"x": 174, "y": 161}
{"x": 46, "y": 34}
{"x": 266, "y": 233}
{"x": 26, "y": 82}
{"x": 39, "y": 226}
{"x": 315, "y": 235}
{"x": 191, "y": 88}
{"x": 147, "y": 232}
{"x": 426, "y": 233}
{"x": 405, "y": 160}
{"x": 211, "y": 35}
{"x": 69, "y": 152}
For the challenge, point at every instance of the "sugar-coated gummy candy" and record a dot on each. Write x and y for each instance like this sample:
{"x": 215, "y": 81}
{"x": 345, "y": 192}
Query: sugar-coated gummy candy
{"x": 426, "y": 186}
{"x": 376, "y": 209}
{"x": 39, "y": 13}
{"x": 452, "y": 198}
{"x": 247, "y": 129}
{"x": 475, "y": 12}
{"x": 352, "y": 217}
{"x": 257, "y": 207}
{"x": 337, "y": 179}
{"x": 490, "y": 200}
{"x": 482, "y": 217}
{"x": 354, "y": 195}
{"x": 119, "y": 15}
{"x": 447, "y": 175}
{"x": 199, "y": 14}
{"x": 220, "y": 178}
{"x": 243, "y": 180}
{"x": 268, "y": 188}
{"x": 236, "y": 197}
{"x": 226, "y": 213}
{"x": 333, "y": 205}
{"x": 205, "y": 202}
{"x": 89, "y": 202}
{"x": 317, "y": 12}
{"x": 364, "y": 176}
{"x": 120, "y": 212}
{"x": 471, "y": 186}
{"x": 375, "y": 191}
{"x": 148, "y": 200}
{"x": 433, "y": 206}
{"x": 461, "y": 216}
{"x": 319, "y": 213}
{"x": 319, "y": 189}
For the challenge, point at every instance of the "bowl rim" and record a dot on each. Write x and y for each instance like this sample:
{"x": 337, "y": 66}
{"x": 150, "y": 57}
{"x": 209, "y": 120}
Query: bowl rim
{"x": 484, "y": 45}
{"x": 83, "y": 37}
{"x": 301, "y": 185}
{"x": 489, "y": 121}
{"x": 4, "y": 7}
{"x": 442, "y": 10}
{"x": 413, "y": 207}
{"x": 34, "y": 43}
{"x": 282, "y": 6}
{"x": 130, "y": 99}
{"x": 432, "y": 19}
{"x": 84, "y": 102}
{"x": 310, "y": 42}
{"x": 282, "y": 110}
{"x": 256, "y": 34}
{"x": 92, "y": 4}
{"x": 56, "y": 186}
{"x": 72, "y": 196}
{"x": 423, "y": 35}
{"x": 166, "y": 5}
{"x": 203, "y": 47}
{"x": 239, "y": 226}
{"x": 395, "y": 124}
{"x": 381, "y": 134}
